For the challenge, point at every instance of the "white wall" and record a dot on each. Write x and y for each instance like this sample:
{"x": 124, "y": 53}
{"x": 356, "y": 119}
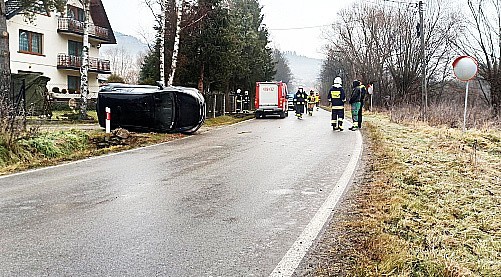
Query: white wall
{"x": 53, "y": 43}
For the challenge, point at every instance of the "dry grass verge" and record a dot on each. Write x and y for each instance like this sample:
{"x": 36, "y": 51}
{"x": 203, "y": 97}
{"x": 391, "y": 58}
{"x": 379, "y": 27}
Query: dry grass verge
{"x": 433, "y": 207}
{"x": 426, "y": 204}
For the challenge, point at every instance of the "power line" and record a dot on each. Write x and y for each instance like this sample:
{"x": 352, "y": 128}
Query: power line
{"x": 300, "y": 28}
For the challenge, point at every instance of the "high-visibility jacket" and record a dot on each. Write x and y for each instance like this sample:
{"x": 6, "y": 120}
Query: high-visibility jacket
{"x": 317, "y": 98}
{"x": 311, "y": 99}
{"x": 337, "y": 97}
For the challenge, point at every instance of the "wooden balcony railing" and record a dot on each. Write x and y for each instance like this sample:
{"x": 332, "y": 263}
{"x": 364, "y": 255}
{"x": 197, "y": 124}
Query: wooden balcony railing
{"x": 67, "y": 24}
{"x": 65, "y": 61}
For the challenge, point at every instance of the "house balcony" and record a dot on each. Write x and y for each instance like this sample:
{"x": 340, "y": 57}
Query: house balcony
{"x": 71, "y": 26}
{"x": 70, "y": 62}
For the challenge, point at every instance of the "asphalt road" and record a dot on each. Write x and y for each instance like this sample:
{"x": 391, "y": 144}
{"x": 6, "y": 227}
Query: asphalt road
{"x": 228, "y": 202}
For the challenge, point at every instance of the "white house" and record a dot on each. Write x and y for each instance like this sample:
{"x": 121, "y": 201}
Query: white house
{"x": 52, "y": 45}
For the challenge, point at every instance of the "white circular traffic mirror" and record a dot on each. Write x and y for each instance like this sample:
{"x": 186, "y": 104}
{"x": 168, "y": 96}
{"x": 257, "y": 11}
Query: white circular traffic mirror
{"x": 465, "y": 68}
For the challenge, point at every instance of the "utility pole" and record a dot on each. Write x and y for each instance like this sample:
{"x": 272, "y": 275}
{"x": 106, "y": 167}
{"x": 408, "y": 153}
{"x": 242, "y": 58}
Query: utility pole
{"x": 84, "y": 69}
{"x": 424, "y": 92}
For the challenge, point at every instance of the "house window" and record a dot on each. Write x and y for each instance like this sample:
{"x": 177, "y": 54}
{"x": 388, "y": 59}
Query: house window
{"x": 76, "y": 13}
{"x": 30, "y": 42}
{"x": 75, "y": 48}
{"x": 73, "y": 84}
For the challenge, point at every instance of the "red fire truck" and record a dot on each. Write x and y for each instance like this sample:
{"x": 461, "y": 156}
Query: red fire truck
{"x": 271, "y": 99}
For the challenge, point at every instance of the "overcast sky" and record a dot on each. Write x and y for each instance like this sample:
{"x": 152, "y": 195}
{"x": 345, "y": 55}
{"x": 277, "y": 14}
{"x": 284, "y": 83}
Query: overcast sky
{"x": 289, "y": 21}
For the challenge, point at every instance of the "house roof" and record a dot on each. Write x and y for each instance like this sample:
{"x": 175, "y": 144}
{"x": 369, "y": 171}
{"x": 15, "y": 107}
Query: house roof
{"x": 97, "y": 12}
{"x": 12, "y": 7}
{"x": 100, "y": 18}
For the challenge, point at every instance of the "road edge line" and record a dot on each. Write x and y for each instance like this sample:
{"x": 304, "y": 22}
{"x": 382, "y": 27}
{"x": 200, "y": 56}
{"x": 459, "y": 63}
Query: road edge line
{"x": 115, "y": 153}
{"x": 289, "y": 263}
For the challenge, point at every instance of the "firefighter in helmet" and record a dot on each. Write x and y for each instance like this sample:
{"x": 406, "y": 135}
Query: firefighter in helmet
{"x": 311, "y": 102}
{"x": 300, "y": 102}
{"x": 337, "y": 97}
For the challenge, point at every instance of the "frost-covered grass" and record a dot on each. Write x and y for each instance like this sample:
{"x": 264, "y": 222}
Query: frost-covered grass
{"x": 435, "y": 201}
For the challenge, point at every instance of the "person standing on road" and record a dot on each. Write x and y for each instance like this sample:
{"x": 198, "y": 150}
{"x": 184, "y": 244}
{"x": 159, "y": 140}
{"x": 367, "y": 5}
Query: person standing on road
{"x": 311, "y": 102}
{"x": 356, "y": 101}
{"x": 363, "y": 93}
{"x": 300, "y": 102}
{"x": 337, "y": 98}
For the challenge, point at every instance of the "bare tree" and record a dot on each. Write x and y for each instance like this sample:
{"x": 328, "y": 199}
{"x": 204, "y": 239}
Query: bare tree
{"x": 123, "y": 64}
{"x": 175, "y": 52}
{"x": 483, "y": 41}
{"x": 380, "y": 44}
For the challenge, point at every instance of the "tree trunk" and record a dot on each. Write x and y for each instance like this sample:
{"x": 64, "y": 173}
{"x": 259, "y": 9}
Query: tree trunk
{"x": 84, "y": 69}
{"x": 164, "y": 12}
{"x": 175, "y": 52}
{"x": 495, "y": 84}
{"x": 201, "y": 79}
{"x": 4, "y": 63}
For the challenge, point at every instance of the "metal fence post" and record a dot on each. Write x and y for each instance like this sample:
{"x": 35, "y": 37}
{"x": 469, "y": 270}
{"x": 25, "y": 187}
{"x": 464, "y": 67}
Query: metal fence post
{"x": 214, "y": 106}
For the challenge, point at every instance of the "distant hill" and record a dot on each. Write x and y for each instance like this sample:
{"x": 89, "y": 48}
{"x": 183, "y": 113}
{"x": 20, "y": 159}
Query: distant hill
{"x": 131, "y": 44}
{"x": 305, "y": 70}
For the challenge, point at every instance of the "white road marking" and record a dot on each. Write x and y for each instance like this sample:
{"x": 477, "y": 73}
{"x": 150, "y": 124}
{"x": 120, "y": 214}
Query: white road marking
{"x": 113, "y": 154}
{"x": 293, "y": 257}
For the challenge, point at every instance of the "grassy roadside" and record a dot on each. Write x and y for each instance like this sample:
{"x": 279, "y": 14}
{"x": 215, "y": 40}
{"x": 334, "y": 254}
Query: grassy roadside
{"x": 433, "y": 202}
{"x": 57, "y": 146}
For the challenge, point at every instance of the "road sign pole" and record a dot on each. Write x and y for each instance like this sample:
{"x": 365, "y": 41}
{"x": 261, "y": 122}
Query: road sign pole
{"x": 465, "y": 106}
{"x": 465, "y": 68}
{"x": 108, "y": 120}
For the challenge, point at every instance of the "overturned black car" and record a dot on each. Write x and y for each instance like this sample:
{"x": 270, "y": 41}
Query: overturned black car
{"x": 151, "y": 108}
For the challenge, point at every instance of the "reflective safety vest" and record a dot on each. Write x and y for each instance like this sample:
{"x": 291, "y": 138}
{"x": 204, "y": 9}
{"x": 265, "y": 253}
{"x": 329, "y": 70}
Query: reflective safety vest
{"x": 311, "y": 99}
{"x": 337, "y": 97}
{"x": 317, "y": 98}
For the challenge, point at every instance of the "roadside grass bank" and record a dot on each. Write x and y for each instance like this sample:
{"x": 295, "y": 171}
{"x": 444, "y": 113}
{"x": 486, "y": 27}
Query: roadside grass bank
{"x": 227, "y": 120}
{"x": 46, "y": 148}
{"x": 432, "y": 205}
